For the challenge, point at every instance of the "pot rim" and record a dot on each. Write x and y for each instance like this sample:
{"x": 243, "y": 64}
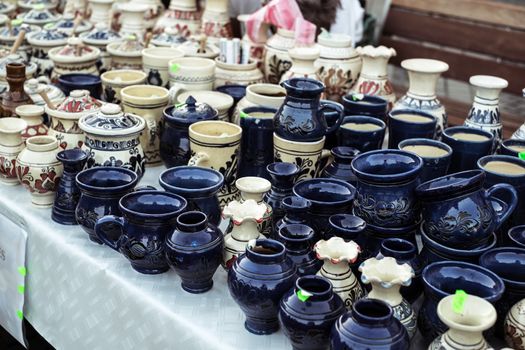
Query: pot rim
{"x": 508, "y": 282}
{"x": 12, "y": 125}
{"x": 127, "y": 186}
{"x": 189, "y": 191}
{"x": 183, "y": 203}
{"x": 466, "y": 181}
{"x": 426, "y": 142}
{"x": 512, "y": 237}
{"x": 345, "y": 184}
{"x": 501, "y": 158}
{"x": 405, "y": 176}
{"x": 142, "y": 76}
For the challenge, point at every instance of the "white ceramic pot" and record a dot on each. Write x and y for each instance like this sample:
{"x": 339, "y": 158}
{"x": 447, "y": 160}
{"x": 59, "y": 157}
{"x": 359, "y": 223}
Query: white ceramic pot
{"x": 33, "y": 116}
{"x": 514, "y": 326}
{"x": 11, "y": 144}
{"x": 218, "y": 100}
{"x": 260, "y": 95}
{"x": 191, "y": 48}
{"x": 239, "y": 74}
{"x": 100, "y": 37}
{"x": 155, "y": 63}
{"x": 126, "y": 54}
{"x": 190, "y": 74}
{"x": 132, "y": 19}
{"x": 100, "y": 11}
{"x": 276, "y": 58}
{"x": 9, "y": 36}
{"x": 42, "y": 42}
{"x": 216, "y": 21}
{"x": 152, "y": 13}
{"x": 33, "y": 87}
{"x": 182, "y": 15}
{"x": 75, "y": 57}
{"x": 254, "y": 187}
{"x": 38, "y": 16}
{"x": 115, "y": 80}
{"x": 303, "y": 59}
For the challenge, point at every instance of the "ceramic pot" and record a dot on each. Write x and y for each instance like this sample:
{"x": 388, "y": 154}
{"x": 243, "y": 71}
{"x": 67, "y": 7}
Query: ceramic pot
{"x": 216, "y": 144}
{"x": 307, "y": 322}
{"x": 169, "y": 37}
{"x": 112, "y": 139}
{"x": 237, "y": 92}
{"x": 100, "y": 11}
{"x": 67, "y": 24}
{"x": 514, "y": 326}
{"x": 190, "y": 74}
{"x": 32, "y": 115}
{"x": 217, "y": 100}
{"x": 42, "y": 42}
{"x": 148, "y": 102}
{"x": 400, "y": 129}
{"x": 369, "y": 325}
{"x": 340, "y": 167}
{"x": 115, "y": 80}
{"x": 373, "y": 79}
{"x": 80, "y": 81}
{"x": 442, "y": 279}
{"x": 199, "y": 186}
{"x": 26, "y": 5}
{"x": 277, "y": 61}
{"x": 365, "y": 105}
{"x": 7, "y": 8}
{"x": 373, "y": 236}
{"x": 307, "y": 155}
{"x": 256, "y": 48}
{"x": 8, "y": 37}
{"x": 132, "y": 19}
{"x": 345, "y": 226}
{"x": 126, "y": 53}
{"x": 436, "y": 156}
{"x": 337, "y": 254}
{"x": 155, "y": 62}
{"x": 283, "y": 176}
{"x": 38, "y": 16}
{"x": 216, "y": 21}
{"x": 260, "y": 95}
{"x": 75, "y": 57}
{"x": 465, "y": 152}
{"x": 423, "y": 75}
{"x": 256, "y": 188}
{"x": 194, "y": 250}
{"x": 68, "y": 194}
{"x": 296, "y": 212}
{"x": 258, "y": 280}
{"x": 484, "y": 114}
{"x": 364, "y": 133}
{"x": 386, "y": 277}
{"x": 65, "y": 117}
{"x": 376, "y": 201}
{"x": 331, "y": 114}
{"x": 338, "y": 66}
{"x": 193, "y": 48}
{"x": 38, "y": 170}
{"x": 239, "y": 74}
{"x": 100, "y": 37}
{"x": 298, "y": 240}
{"x": 303, "y": 63}
{"x": 512, "y": 147}
{"x": 245, "y": 217}
{"x": 457, "y": 211}
{"x": 33, "y": 88}
{"x": 15, "y": 96}
{"x": 11, "y": 144}
{"x": 182, "y": 15}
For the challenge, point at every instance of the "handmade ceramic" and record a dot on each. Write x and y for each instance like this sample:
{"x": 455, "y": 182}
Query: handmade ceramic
{"x": 217, "y": 100}
{"x": 199, "y": 186}
{"x": 346, "y": 226}
{"x": 26, "y": 5}
{"x": 423, "y": 75}
{"x": 466, "y": 327}
{"x": 520, "y": 133}
{"x": 194, "y": 250}
{"x": 331, "y": 114}
{"x": 75, "y": 57}
{"x": 100, "y": 11}
{"x": 148, "y": 102}
{"x": 216, "y": 144}
{"x": 256, "y": 48}
{"x": 442, "y": 279}
{"x": 339, "y": 64}
{"x": 283, "y": 177}
{"x": 15, "y": 96}
{"x": 360, "y": 133}
{"x": 400, "y": 129}
{"x": 457, "y": 211}
{"x": 38, "y": 170}
{"x": 126, "y": 53}
{"x": 11, "y": 144}
{"x": 386, "y": 277}
{"x": 115, "y": 80}
{"x": 296, "y": 212}
{"x": 155, "y": 62}
{"x": 184, "y": 16}
{"x": 301, "y": 117}
{"x": 373, "y": 79}
{"x": 174, "y": 137}
{"x": 256, "y": 188}
{"x": 484, "y": 114}
{"x": 340, "y": 167}
{"x": 373, "y": 236}
{"x": 67, "y": 24}
{"x": 260, "y": 95}
{"x": 237, "y": 92}
{"x": 8, "y": 36}
{"x": 32, "y": 115}
{"x": 100, "y": 37}
{"x": 380, "y": 203}
{"x": 337, "y": 254}
{"x": 307, "y": 321}
{"x": 68, "y": 194}
{"x": 42, "y": 42}
{"x": 368, "y": 105}
{"x": 465, "y": 153}
{"x": 112, "y": 139}
{"x": 64, "y": 118}
{"x": 277, "y": 61}
{"x": 190, "y": 74}
{"x": 298, "y": 240}
{"x": 38, "y": 16}
{"x": 132, "y": 17}
{"x": 303, "y": 63}
{"x": 512, "y": 147}
{"x": 30, "y": 68}
{"x": 516, "y": 236}
{"x": 434, "y": 164}
{"x": 196, "y": 48}
{"x": 514, "y": 326}
{"x": 240, "y": 74}
{"x": 81, "y": 81}
{"x": 258, "y": 280}
{"x": 369, "y": 325}
{"x": 169, "y": 37}
{"x": 216, "y": 21}
{"x": 34, "y": 88}
{"x": 7, "y": 8}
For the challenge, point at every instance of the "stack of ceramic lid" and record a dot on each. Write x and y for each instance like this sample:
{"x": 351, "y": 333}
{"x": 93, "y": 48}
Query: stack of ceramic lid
{"x": 39, "y": 16}
{"x": 8, "y": 37}
{"x": 67, "y": 23}
{"x": 27, "y": 5}
{"x": 100, "y": 37}
{"x": 42, "y": 42}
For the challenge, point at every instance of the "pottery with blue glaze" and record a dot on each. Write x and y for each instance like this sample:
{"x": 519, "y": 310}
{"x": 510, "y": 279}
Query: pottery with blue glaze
{"x": 434, "y": 165}
{"x": 331, "y": 112}
{"x": 283, "y": 176}
{"x": 352, "y": 134}
{"x": 348, "y": 227}
{"x": 237, "y": 92}
{"x": 400, "y": 129}
{"x": 512, "y": 147}
{"x": 340, "y": 167}
{"x": 299, "y": 240}
{"x": 465, "y": 153}
{"x": 365, "y": 105}
{"x": 295, "y": 210}
{"x": 516, "y": 236}
{"x": 374, "y": 235}
{"x": 79, "y": 81}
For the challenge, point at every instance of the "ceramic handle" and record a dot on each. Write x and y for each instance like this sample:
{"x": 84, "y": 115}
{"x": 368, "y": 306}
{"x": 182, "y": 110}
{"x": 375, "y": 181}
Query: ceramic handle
{"x": 175, "y": 90}
{"x": 101, "y": 234}
{"x": 43, "y": 79}
{"x": 326, "y": 158}
{"x": 341, "y": 113}
{"x": 198, "y": 159}
{"x": 511, "y": 204}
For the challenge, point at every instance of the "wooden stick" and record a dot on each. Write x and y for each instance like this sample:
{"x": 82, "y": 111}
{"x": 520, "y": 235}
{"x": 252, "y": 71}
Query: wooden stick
{"x": 147, "y": 39}
{"x": 46, "y": 99}
{"x": 18, "y": 41}
{"x": 76, "y": 23}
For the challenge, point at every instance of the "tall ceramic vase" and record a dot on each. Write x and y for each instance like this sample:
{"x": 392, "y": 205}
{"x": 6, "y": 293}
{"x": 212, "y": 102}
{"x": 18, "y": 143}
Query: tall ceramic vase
{"x": 216, "y": 21}
{"x": 133, "y": 19}
{"x": 253, "y": 187}
{"x": 11, "y": 144}
{"x": 183, "y": 16}
{"x": 484, "y": 113}
{"x": 100, "y": 11}
{"x": 423, "y": 75}
{"x": 374, "y": 75}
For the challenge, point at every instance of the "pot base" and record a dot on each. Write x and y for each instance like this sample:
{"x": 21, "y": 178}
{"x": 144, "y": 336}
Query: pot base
{"x": 150, "y": 271}
{"x": 45, "y": 201}
{"x": 11, "y": 182}
{"x": 197, "y": 288}
{"x": 63, "y": 218}
{"x": 261, "y": 326}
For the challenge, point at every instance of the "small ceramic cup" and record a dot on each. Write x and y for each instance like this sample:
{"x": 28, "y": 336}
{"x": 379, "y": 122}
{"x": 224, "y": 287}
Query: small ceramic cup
{"x": 512, "y": 147}
{"x": 468, "y": 145}
{"x": 155, "y": 62}
{"x": 115, "y": 80}
{"x": 190, "y": 74}
{"x": 364, "y": 133}
{"x": 359, "y": 104}
{"x": 404, "y": 124}
{"x": 436, "y": 156}
{"x": 79, "y": 81}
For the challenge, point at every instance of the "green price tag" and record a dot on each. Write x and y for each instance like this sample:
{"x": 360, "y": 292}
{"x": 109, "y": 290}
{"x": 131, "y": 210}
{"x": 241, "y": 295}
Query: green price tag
{"x": 16, "y": 22}
{"x": 358, "y": 97}
{"x": 21, "y": 289}
{"x": 179, "y": 105}
{"x": 458, "y": 302}
{"x": 22, "y": 270}
{"x": 521, "y": 155}
{"x": 303, "y": 295}
{"x": 49, "y": 26}
{"x": 174, "y": 67}
{"x": 39, "y": 7}
{"x": 243, "y": 115}
{"x": 20, "y": 314}
{"x": 132, "y": 37}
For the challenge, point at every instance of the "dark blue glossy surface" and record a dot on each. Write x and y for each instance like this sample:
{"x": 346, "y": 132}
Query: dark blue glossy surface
{"x": 506, "y": 150}
{"x": 516, "y": 236}
{"x": 282, "y": 176}
{"x": 369, "y": 325}
{"x": 400, "y": 130}
{"x": 194, "y": 250}
{"x": 465, "y": 154}
{"x": 299, "y": 240}
{"x": 301, "y": 116}
{"x": 257, "y": 281}
{"x": 359, "y": 104}
{"x": 363, "y": 140}
{"x": 68, "y": 194}
{"x": 146, "y": 218}
{"x": 101, "y": 189}
{"x": 370, "y": 242}
{"x": 296, "y": 212}
{"x": 79, "y": 81}
{"x": 199, "y": 186}
{"x": 308, "y": 323}
{"x": 433, "y": 167}
{"x": 340, "y": 167}
{"x": 348, "y": 227}
{"x": 458, "y": 212}
{"x": 331, "y": 114}
{"x": 237, "y": 92}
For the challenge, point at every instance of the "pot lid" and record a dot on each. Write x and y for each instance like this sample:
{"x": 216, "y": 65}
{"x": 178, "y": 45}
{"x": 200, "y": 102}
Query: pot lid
{"x": 111, "y": 121}
{"x": 7, "y": 34}
{"x": 3, "y": 18}
{"x": 16, "y": 58}
{"x": 46, "y": 4}
{"x": 170, "y": 36}
{"x": 32, "y": 87}
{"x": 6, "y": 7}
{"x": 130, "y": 46}
{"x": 100, "y": 35}
{"x": 79, "y": 101}
{"x": 336, "y": 46}
{"x": 48, "y": 37}
{"x": 191, "y": 111}
{"x": 191, "y": 49}
{"x": 38, "y": 15}
{"x": 74, "y": 50}
{"x": 67, "y": 23}
{"x": 304, "y": 53}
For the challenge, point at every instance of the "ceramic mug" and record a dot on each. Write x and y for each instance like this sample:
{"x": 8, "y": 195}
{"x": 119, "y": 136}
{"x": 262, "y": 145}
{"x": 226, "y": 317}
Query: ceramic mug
{"x": 468, "y": 145}
{"x": 190, "y": 74}
{"x": 155, "y": 62}
{"x": 404, "y": 124}
{"x": 115, "y": 80}
{"x": 369, "y": 105}
{"x": 216, "y": 144}
{"x": 436, "y": 156}
{"x": 512, "y": 147}
{"x": 80, "y": 81}
{"x": 362, "y": 132}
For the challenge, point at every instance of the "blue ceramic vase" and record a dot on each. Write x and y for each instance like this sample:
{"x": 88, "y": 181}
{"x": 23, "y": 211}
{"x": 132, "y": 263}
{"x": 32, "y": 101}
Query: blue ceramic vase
{"x": 146, "y": 218}
{"x": 340, "y": 167}
{"x": 283, "y": 177}
{"x": 296, "y": 212}
{"x": 373, "y": 236}
{"x": 257, "y": 281}
{"x": 359, "y": 104}
{"x": 299, "y": 240}
{"x": 348, "y": 227}
{"x": 68, "y": 194}
{"x": 369, "y": 325}
{"x": 308, "y": 322}
{"x": 194, "y": 250}
{"x": 353, "y": 134}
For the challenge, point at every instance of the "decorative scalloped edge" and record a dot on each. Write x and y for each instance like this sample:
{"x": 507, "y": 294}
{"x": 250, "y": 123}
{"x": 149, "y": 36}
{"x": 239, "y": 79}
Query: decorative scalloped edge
{"x": 372, "y": 269}
{"x": 337, "y": 250}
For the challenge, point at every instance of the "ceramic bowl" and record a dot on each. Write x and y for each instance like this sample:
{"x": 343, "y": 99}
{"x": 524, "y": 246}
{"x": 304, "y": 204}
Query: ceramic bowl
{"x": 346, "y": 226}
{"x": 512, "y": 147}
{"x": 79, "y": 81}
{"x": 516, "y": 236}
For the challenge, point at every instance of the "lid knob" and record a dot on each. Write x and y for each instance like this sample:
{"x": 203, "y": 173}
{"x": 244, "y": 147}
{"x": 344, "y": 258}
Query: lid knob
{"x": 79, "y": 93}
{"x": 191, "y": 102}
{"x": 74, "y": 41}
{"x": 110, "y": 109}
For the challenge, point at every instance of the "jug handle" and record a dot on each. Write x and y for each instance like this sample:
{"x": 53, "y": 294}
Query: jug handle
{"x": 101, "y": 234}
{"x": 341, "y": 113}
{"x": 198, "y": 158}
{"x": 511, "y": 205}
{"x": 175, "y": 90}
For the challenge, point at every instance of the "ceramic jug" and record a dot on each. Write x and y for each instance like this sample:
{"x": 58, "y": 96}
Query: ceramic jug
{"x": 296, "y": 212}
{"x": 11, "y": 144}
{"x": 283, "y": 177}
{"x": 303, "y": 63}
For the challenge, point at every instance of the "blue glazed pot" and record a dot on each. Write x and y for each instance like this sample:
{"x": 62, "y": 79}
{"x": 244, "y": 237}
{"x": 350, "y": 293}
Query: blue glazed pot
{"x": 194, "y": 250}
{"x": 101, "y": 189}
{"x": 146, "y": 218}
{"x": 327, "y": 196}
{"x": 301, "y": 117}
{"x": 363, "y": 140}
{"x": 370, "y": 325}
{"x": 359, "y": 104}
{"x": 458, "y": 213}
{"x": 509, "y": 264}
{"x": 80, "y": 81}
{"x": 400, "y": 129}
{"x": 340, "y": 167}
{"x": 516, "y": 236}
{"x": 348, "y": 227}
{"x": 442, "y": 279}
{"x": 282, "y": 176}
{"x": 68, "y": 194}
{"x": 199, "y": 186}
{"x": 331, "y": 113}
{"x": 506, "y": 147}
{"x": 257, "y": 281}
{"x": 386, "y": 182}
{"x": 299, "y": 240}
{"x": 465, "y": 154}
{"x": 237, "y": 92}
{"x": 308, "y": 323}
{"x": 296, "y": 212}
{"x": 433, "y": 167}
{"x": 256, "y": 141}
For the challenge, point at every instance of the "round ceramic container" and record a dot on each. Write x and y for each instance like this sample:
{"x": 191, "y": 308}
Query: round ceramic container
{"x": 218, "y": 100}
{"x": 38, "y": 16}
{"x": 115, "y": 80}
{"x": 126, "y": 54}
{"x": 100, "y": 37}
{"x": 75, "y": 57}
{"x": 239, "y": 74}
{"x": 192, "y": 49}
{"x": 155, "y": 62}
{"x": 42, "y": 42}
{"x": 8, "y": 37}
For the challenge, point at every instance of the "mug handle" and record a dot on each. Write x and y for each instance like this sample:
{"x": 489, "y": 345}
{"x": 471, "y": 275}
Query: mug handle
{"x": 511, "y": 205}
{"x": 175, "y": 90}
{"x": 326, "y": 157}
{"x": 198, "y": 159}
{"x": 101, "y": 234}
{"x": 341, "y": 113}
